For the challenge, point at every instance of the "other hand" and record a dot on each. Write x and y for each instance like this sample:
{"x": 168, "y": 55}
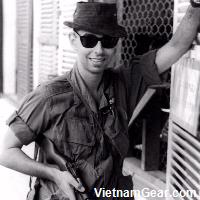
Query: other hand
{"x": 66, "y": 182}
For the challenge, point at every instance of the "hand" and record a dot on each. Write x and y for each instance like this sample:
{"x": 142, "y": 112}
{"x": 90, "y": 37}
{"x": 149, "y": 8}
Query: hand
{"x": 66, "y": 182}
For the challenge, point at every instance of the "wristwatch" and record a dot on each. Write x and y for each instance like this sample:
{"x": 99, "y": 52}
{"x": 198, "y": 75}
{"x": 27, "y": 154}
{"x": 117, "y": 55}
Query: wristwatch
{"x": 195, "y": 3}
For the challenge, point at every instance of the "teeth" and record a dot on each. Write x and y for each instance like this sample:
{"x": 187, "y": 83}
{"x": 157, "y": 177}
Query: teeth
{"x": 98, "y": 60}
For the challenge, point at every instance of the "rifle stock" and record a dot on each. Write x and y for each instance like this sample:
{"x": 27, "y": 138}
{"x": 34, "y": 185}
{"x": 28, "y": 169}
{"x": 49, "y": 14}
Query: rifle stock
{"x": 54, "y": 157}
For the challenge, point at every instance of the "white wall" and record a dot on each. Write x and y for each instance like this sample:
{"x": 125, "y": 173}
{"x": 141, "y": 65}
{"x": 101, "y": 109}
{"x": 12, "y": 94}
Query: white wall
{"x": 9, "y": 46}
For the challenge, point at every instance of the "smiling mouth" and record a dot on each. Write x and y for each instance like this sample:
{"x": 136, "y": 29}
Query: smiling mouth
{"x": 97, "y": 59}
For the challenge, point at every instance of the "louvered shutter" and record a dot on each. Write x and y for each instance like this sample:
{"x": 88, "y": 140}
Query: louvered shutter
{"x": 24, "y": 47}
{"x": 183, "y": 171}
{"x": 48, "y": 40}
{"x": 67, "y": 55}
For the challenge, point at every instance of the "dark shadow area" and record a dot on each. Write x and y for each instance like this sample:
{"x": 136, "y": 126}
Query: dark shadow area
{"x": 156, "y": 121}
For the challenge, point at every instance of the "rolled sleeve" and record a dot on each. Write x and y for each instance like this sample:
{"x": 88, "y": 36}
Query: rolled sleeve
{"x": 31, "y": 118}
{"x": 141, "y": 73}
{"x": 148, "y": 68}
{"x": 20, "y": 128}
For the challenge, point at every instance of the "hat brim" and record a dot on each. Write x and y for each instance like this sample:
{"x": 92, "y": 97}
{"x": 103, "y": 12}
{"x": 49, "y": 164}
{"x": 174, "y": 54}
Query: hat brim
{"x": 114, "y": 31}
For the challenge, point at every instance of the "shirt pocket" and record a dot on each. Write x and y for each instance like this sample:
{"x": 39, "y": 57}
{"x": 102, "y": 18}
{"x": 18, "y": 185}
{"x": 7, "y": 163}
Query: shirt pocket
{"x": 76, "y": 136}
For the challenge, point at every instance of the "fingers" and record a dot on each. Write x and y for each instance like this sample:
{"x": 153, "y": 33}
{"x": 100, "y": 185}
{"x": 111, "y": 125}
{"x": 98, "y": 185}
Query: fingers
{"x": 64, "y": 183}
{"x": 67, "y": 183}
{"x": 76, "y": 183}
{"x": 80, "y": 187}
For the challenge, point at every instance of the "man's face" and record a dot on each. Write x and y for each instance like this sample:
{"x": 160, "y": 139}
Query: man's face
{"x": 96, "y": 59}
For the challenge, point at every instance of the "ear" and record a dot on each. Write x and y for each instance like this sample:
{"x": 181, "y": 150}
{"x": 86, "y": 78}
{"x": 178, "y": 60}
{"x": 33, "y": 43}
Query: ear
{"x": 73, "y": 40}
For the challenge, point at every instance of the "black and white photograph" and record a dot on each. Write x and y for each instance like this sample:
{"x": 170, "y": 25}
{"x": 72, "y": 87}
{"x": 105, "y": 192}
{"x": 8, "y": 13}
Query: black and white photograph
{"x": 100, "y": 99}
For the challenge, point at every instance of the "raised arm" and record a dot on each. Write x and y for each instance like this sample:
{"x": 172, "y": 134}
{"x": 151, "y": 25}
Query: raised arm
{"x": 181, "y": 40}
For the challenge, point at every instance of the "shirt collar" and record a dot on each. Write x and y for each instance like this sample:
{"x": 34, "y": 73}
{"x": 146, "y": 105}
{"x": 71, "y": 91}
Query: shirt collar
{"x": 106, "y": 85}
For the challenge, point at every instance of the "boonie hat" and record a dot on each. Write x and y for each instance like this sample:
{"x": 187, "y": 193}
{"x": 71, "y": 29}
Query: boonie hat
{"x": 96, "y": 17}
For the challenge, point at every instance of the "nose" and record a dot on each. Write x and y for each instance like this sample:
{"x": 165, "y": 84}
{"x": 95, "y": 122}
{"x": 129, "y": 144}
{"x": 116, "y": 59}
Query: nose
{"x": 98, "y": 48}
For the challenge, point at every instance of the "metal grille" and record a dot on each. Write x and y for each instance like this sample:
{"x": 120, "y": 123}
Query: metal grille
{"x": 149, "y": 24}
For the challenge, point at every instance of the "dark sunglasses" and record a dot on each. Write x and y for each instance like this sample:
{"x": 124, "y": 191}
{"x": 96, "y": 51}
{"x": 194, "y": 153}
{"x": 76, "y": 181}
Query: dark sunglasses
{"x": 90, "y": 41}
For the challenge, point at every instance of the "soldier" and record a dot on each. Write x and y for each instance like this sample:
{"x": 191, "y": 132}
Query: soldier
{"x": 85, "y": 113}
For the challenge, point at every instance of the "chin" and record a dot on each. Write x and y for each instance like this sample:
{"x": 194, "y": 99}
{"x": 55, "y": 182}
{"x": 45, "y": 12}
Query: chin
{"x": 97, "y": 69}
